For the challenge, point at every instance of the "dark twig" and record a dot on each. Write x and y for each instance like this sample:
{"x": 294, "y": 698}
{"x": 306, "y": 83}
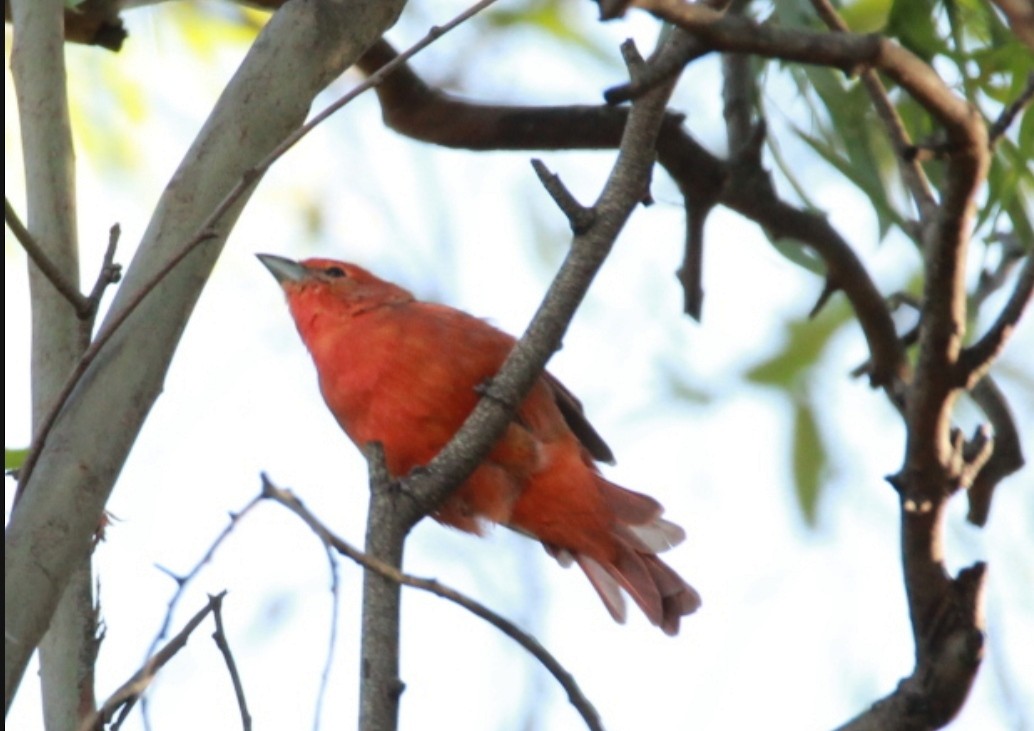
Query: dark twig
{"x": 216, "y": 602}
{"x": 183, "y": 581}
{"x": 1009, "y": 114}
{"x": 743, "y": 139}
{"x": 130, "y": 691}
{"x": 993, "y": 279}
{"x": 207, "y": 230}
{"x": 43, "y": 262}
{"x": 691, "y": 273}
{"x": 289, "y": 500}
{"x": 680, "y": 50}
{"x": 907, "y": 339}
{"x": 976, "y": 359}
{"x": 1007, "y": 456}
{"x": 335, "y": 607}
{"x": 580, "y": 217}
{"x": 684, "y": 49}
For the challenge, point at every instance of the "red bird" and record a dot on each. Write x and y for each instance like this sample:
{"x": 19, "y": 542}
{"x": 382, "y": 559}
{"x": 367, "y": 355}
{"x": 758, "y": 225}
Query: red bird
{"x": 405, "y": 373}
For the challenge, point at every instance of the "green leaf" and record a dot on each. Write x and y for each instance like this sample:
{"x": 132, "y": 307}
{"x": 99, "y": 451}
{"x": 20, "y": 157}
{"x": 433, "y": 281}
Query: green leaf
{"x": 554, "y": 20}
{"x": 809, "y": 461}
{"x": 866, "y": 16}
{"x": 864, "y": 175}
{"x": 804, "y": 343}
{"x": 14, "y": 458}
{"x": 912, "y": 23}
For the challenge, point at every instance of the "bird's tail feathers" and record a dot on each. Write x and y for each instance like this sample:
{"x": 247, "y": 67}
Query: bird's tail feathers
{"x": 639, "y": 534}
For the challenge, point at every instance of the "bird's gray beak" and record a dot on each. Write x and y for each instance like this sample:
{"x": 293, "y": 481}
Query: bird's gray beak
{"x": 285, "y": 270}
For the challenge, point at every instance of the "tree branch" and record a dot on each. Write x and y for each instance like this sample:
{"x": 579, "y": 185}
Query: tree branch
{"x": 43, "y": 262}
{"x": 1009, "y": 114}
{"x": 183, "y": 581}
{"x": 390, "y": 572}
{"x": 335, "y": 607}
{"x": 216, "y": 602}
{"x": 1007, "y": 456}
{"x": 59, "y": 332}
{"x": 975, "y": 360}
{"x": 110, "y": 273}
{"x": 129, "y": 692}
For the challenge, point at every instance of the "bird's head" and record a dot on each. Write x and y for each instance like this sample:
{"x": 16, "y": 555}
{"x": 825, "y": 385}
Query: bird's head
{"x": 334, "y": 287}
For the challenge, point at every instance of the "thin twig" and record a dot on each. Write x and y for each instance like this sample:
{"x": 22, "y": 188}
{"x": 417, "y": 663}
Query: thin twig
{"x": 128, "y": 693}
{"x": 335, "y": 607}
{"x": 1007, "y": 457}
{"x": 993, "y": 279}
{"x": 206, "y": 230}
{"x": 1005, "y": 119}
{"x": 975, "y": 360}
{"x": 183, "y": 581}
{"x": 43, "y": 262}
{"x": 110, "y": 273}
{"x": 231, "y": 665}
{"x": 290, "y": 501}
{"x": 578, "y": 216}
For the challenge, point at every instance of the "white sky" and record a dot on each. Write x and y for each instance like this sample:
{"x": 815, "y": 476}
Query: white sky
{"x": 805, "y": 626}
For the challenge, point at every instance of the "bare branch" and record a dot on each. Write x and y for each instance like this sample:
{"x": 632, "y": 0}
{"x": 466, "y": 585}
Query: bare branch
{"x": 335, "y": 607}
{"x": 948, "y": 653}
{"x": 1009, "y": 114}
{"x": 216, "y": 602}
{"x": 182, "y": 582}
{"x": 1007, "y": 456}
{"x": 392, "y": 573}
{"x": 58, "y": 336}
{"x": 43, "y": 262}
{"x": 129, "y": 692}
{"x": 975, "y": 360}
{"x": 580, "y": 217}
{"x": 110, "y": 273}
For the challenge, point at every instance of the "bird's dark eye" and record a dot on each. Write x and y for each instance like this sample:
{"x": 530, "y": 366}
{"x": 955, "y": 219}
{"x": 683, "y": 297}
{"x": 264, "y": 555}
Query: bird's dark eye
{"x": 335, "y": 272}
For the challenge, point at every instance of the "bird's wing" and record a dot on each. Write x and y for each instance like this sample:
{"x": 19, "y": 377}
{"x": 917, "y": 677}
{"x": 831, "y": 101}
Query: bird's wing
{"x": 571, "y": 408}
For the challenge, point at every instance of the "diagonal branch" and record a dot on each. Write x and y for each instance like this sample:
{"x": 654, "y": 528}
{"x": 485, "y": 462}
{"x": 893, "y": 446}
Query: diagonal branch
{"x": 129, "y": 692}
{"x": 975, "y": 360}
{"x": 290, "y": 501}
{"x": 1007, "y": 456}
{"x": 216, "y": 602}
{"x": 183, "y": 581}
{"x": 1009, "y": 114}
{"x": 39, "y": 257}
